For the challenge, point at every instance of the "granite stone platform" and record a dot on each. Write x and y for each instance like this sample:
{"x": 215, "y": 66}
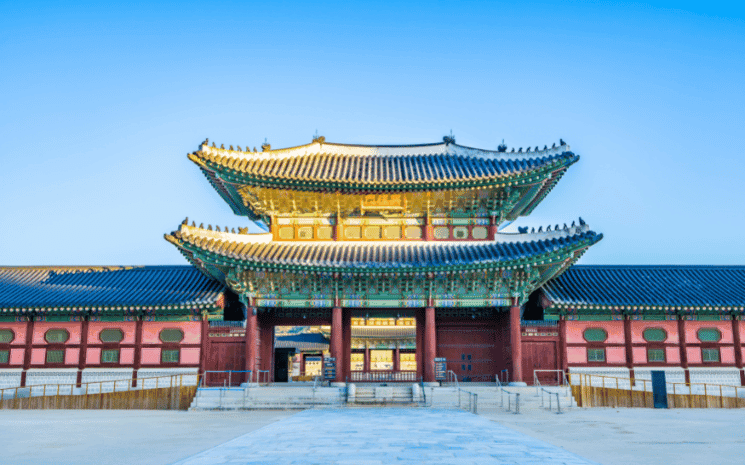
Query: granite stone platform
{"x": 364, "y": 436}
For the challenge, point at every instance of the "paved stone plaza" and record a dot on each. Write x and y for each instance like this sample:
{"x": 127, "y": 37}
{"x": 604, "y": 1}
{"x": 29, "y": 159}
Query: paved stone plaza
{"x": 125, "y": 437}
{"x": 385, "y": 436}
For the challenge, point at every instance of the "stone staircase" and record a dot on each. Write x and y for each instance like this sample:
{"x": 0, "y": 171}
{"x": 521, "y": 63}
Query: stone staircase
{"x": 488, "y": 397}
{"x": 268, "y": 397}
{"x": 385, "y": 394}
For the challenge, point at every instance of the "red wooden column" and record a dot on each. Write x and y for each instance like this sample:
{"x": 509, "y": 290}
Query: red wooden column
{"x": 429, "y": 230}
{"x": 430, "y": 344}
{"x": 346, "y": 343}
{"x": 205, "y": 350}
{"x": 138, "y": 349}
{"x": 627, "y": 344}
{"x": 252, "y": 345}
{"x": 27, "y": 353}
{"x": 83, "y": 350}
{"x": 738, "y": 347}
{"x": 563, "y": 343}
{"x": 683, "y": 347}
{"x": 492, "y": 228}
{"x": 516, "y": 342}
{"x": 337, "y": 337}
{"x": 397, "y": 359}
{"x": 419, "y": 321}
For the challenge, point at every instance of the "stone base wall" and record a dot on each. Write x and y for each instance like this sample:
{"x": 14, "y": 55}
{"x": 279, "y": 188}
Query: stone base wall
{"x": 39, "y": 376}
{"x": 189, "y": 378}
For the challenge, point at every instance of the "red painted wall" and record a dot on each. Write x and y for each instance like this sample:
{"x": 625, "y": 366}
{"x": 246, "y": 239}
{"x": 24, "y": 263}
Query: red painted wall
{"x": 576, "y": 328}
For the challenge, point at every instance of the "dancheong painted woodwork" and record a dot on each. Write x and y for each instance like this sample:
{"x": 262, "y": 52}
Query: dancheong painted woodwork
{"x": 328, "y": 191}
{"x": 384, "y": 258}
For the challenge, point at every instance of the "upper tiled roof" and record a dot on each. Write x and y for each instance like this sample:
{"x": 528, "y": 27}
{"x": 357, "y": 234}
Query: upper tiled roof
{"x": 90, "y": 287}
{"x": 654, "y": 286}
{"x": 364, "y": 167}
{"x": 257, "y": 250}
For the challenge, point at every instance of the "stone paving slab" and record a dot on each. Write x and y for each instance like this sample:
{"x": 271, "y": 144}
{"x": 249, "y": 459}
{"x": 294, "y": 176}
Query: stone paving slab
{"x": 384, "y": 436}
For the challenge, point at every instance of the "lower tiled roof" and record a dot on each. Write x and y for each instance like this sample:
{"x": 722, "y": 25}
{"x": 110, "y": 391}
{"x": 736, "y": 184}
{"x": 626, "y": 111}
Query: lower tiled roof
{"x": 100, "y": 287}
{"x": 387, "y": 255}
{"x": 655, "y": 286}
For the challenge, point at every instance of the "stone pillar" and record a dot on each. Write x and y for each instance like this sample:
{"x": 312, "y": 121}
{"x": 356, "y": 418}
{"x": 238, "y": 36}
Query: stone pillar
{"x": 683, "y": 347}
{"x": 738, "y": 347}
{"x": 336, "y": 341}
{"x": 516, "y": 343}
{"x": 252, "y": 346}
{"x": 430, "y": 344}
{"x": 627, "y": 344}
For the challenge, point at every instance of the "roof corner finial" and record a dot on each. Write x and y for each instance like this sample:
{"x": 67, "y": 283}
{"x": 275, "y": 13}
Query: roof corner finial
{"x": 502, "y": 148}
{"x": 186, "y": 221}
{"x": 449, "y": 139}
{"x": 561, "y": 142}
{"x": 265, "y": 146}
{"x": 206, "y": 141}
{"x": 581, "y": 221}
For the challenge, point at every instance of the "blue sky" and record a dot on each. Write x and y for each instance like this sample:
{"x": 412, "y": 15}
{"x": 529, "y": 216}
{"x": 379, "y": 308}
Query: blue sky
{"x": 102, "y": 102}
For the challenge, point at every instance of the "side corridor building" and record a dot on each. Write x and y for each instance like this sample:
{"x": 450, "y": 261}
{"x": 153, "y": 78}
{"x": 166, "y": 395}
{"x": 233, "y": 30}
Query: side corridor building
{"x": 397, "y": 254}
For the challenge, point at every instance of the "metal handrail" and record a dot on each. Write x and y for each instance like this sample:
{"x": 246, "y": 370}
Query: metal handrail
{"x": 230, "y": 376}
{"x": 509, "y": 399}
{"x": 550, "y": 407}
{"x": 455, "y": 378}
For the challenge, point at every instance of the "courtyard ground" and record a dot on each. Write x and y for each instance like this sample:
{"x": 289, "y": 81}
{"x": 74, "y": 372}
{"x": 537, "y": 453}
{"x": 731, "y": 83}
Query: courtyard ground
{"x": 606, "y": 436}
{"x": 638, "y": 436}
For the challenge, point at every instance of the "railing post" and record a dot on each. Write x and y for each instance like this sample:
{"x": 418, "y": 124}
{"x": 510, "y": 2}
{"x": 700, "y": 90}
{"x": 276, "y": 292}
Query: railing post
{"x": 517, "y": 403}
{"x": 558, "y": 404}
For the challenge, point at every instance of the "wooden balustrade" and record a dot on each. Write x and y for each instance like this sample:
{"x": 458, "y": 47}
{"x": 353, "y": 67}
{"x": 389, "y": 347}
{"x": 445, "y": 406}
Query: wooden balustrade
{"x": 167, "y": 393}
{"x": 606, "y": 391}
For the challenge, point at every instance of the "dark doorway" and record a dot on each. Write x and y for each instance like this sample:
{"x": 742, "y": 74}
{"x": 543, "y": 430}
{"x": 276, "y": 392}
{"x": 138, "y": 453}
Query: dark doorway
{"x": 281, "y": 364}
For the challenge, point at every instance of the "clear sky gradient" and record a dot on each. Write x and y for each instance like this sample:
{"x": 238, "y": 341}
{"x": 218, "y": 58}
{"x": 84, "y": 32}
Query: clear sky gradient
{"x": 102, "y": 102}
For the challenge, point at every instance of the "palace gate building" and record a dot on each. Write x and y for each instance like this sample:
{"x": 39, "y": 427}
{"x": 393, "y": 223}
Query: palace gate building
{"x": 396, "y": 254}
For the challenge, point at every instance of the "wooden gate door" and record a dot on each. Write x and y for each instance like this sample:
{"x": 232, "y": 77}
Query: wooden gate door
{"x": 470, "y": 351}
{"x": 225, "y": 354}
{"x": 540, "y": 356}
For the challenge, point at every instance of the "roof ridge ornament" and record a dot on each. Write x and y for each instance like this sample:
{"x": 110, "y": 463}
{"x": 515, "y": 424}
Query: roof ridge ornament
{"x": 319, "y": 139}
{"x": 265, "y": 147}
{"x": 501, "y": 148}
{"x": 449, "y": 139}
